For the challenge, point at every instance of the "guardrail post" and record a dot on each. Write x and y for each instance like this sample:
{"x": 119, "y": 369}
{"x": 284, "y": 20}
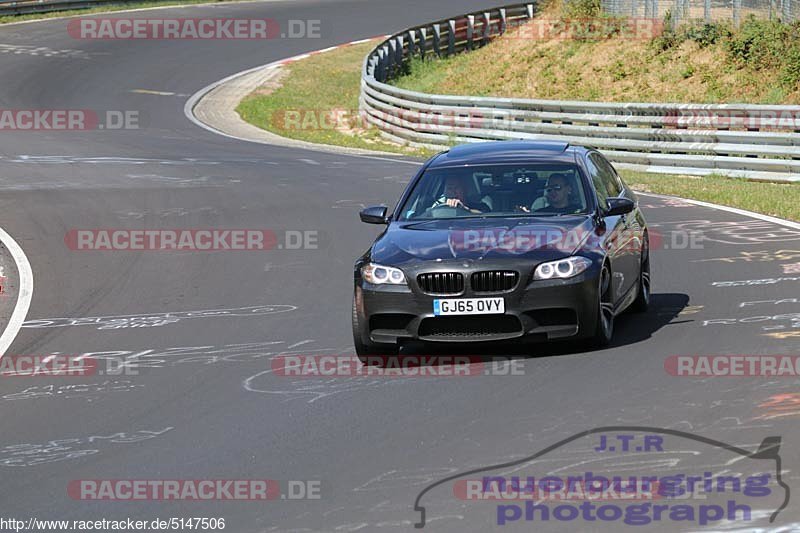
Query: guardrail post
{"x": 707, "y": 10}
{"x": 502, "y": 20}
{"x": 383, "y": 55}
{"x": 398, "y": 60}
{"x": 529, "y": 10}
{"x": 487, "y": 26}
{"x": 437, "y": 40}
{"x": 390, "y": 59}
{"x": 451, "y": 37}
{"x": 787, "y": 10}
{"x": 423, "y": 42}
{"x": 737, "y": 8}
{"x": 470, "y": 30}
{"x": 372, "y": 66}
{"x": 411, "y": 37}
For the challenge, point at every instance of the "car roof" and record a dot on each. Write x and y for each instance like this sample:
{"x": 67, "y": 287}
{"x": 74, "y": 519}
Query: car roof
{"x": 506, "y": 152}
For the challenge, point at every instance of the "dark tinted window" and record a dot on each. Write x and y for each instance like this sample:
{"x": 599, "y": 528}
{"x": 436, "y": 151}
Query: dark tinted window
{"x": 607, "y": 175}
{"x": 542, "y": 189}
{"x": 597, "y": 181}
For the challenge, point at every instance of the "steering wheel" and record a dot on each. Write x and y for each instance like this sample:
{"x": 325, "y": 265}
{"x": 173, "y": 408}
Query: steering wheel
{"x": 445, "y": 211}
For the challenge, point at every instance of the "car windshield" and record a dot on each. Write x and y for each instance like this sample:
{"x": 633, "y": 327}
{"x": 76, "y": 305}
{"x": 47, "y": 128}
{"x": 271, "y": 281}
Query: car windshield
{"x": 497, "y": 191}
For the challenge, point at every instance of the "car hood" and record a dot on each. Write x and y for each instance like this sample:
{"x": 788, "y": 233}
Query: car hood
{"x": 537, "y": 239}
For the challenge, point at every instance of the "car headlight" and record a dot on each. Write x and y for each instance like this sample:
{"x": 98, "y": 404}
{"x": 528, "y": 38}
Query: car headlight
{"x": 562, "y": 269}
{"x": 379, "y": 274}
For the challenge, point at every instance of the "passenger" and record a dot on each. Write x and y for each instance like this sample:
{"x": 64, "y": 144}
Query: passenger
{"x": 560, "y": 199}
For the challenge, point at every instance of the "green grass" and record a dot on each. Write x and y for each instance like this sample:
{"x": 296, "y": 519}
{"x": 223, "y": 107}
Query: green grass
{"x": 303, "y": 107}
{"x": 5, "y": 19}
{"x": 331, "y": 81}
{"x": 774, "y": 199}
{"x": 759, "y": 62}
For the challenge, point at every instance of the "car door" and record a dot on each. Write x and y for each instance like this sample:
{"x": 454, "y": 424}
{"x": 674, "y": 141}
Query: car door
{"x": 626, "y": 247}
{"x": 615, "y": 237}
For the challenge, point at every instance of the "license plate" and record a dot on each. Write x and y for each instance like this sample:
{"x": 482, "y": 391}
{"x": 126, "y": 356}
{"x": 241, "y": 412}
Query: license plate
{"x": 469, "y": 306}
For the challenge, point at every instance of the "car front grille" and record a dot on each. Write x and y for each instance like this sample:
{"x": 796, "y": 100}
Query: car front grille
{"x": 494, "y": 280}
{"x": 469, "y": 327}
{"x": 441, "y": 282}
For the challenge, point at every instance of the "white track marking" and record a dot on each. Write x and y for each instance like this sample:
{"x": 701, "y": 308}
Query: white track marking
{"x": 743, "y": 212}
{"x": 25, "y": 291}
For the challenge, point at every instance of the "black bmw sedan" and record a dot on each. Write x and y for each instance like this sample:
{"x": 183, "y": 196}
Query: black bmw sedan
{"x": 503, "y": 240}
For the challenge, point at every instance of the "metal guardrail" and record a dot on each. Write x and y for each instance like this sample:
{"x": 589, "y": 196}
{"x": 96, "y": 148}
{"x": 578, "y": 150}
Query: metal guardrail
{"x": 754, "y": 141}
{"x": 25, "y": 7}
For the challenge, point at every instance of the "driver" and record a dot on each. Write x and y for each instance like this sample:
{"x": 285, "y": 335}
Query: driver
{"x": 559, "y": 195}
{"x": 455, "y": 195}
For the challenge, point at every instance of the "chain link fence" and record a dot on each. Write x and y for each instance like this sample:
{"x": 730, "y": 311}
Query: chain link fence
{"x": 706, "y": 10}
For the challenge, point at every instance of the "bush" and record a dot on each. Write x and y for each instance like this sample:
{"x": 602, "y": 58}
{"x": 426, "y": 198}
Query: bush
{"x": 760, "y": 43}
{"x": 582, "y": 8}
{"x": 668, "y": 38}
{"x": 790, "y": 75}
{"x": 707, "y": 34}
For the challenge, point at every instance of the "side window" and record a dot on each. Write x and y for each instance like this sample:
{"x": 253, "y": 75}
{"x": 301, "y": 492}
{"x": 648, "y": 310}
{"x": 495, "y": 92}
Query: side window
{"x": 597, "y": 181}
{"x": 607, "y": 175}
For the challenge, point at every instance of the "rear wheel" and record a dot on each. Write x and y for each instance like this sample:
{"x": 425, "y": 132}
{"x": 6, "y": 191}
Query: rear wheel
{"x": 604, "y": 329}
{"x": 365, "y": 349}
{"x": 642, "y": 301}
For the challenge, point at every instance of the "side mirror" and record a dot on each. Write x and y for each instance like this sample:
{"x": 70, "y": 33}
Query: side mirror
{"x": 619, "y": 206}
{"x": 374, "y": 215}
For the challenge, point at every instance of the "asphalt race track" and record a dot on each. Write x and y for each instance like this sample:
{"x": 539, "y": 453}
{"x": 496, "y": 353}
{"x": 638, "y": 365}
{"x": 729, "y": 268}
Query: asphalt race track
{"x": 204, "y": 403}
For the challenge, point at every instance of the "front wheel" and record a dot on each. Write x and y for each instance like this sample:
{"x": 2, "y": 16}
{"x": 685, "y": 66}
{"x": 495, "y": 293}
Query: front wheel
{"x": 604, "y": 328}
{"x": 365, "y": 349}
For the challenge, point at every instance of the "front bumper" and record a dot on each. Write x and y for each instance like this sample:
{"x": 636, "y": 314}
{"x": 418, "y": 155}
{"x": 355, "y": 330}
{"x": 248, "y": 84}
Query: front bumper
{"x": 538, "y": 311}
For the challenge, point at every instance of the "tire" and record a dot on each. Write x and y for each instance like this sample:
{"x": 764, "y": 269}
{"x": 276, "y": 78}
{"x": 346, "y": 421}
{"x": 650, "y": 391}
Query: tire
{"x": 365, "y": 349}
{"x": 642, "y": 301}
{"x": 604, "y": 327}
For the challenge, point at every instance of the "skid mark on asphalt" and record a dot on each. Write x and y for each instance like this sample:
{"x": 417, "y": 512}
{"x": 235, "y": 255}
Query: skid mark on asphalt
{"x": 780, "y": 406}
{"x": 125, "y": 360}
{"x": 126, "y": 214}
{"x": 86, "y": 391}
{"x": 739, "y": 232}
{"x": 763, "y": 256}
{"x": 70, "y": 448}
{"x": 44, "y": 51}
{"x": 156, "y": 319}
{"x": 311, "y": 390}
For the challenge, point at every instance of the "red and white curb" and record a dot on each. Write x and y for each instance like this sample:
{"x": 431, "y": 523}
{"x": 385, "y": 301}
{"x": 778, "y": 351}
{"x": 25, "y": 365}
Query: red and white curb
{"x": 196, "y": 98}
{"x": 188, "y": 108}
{"x": 329, "y": 49}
